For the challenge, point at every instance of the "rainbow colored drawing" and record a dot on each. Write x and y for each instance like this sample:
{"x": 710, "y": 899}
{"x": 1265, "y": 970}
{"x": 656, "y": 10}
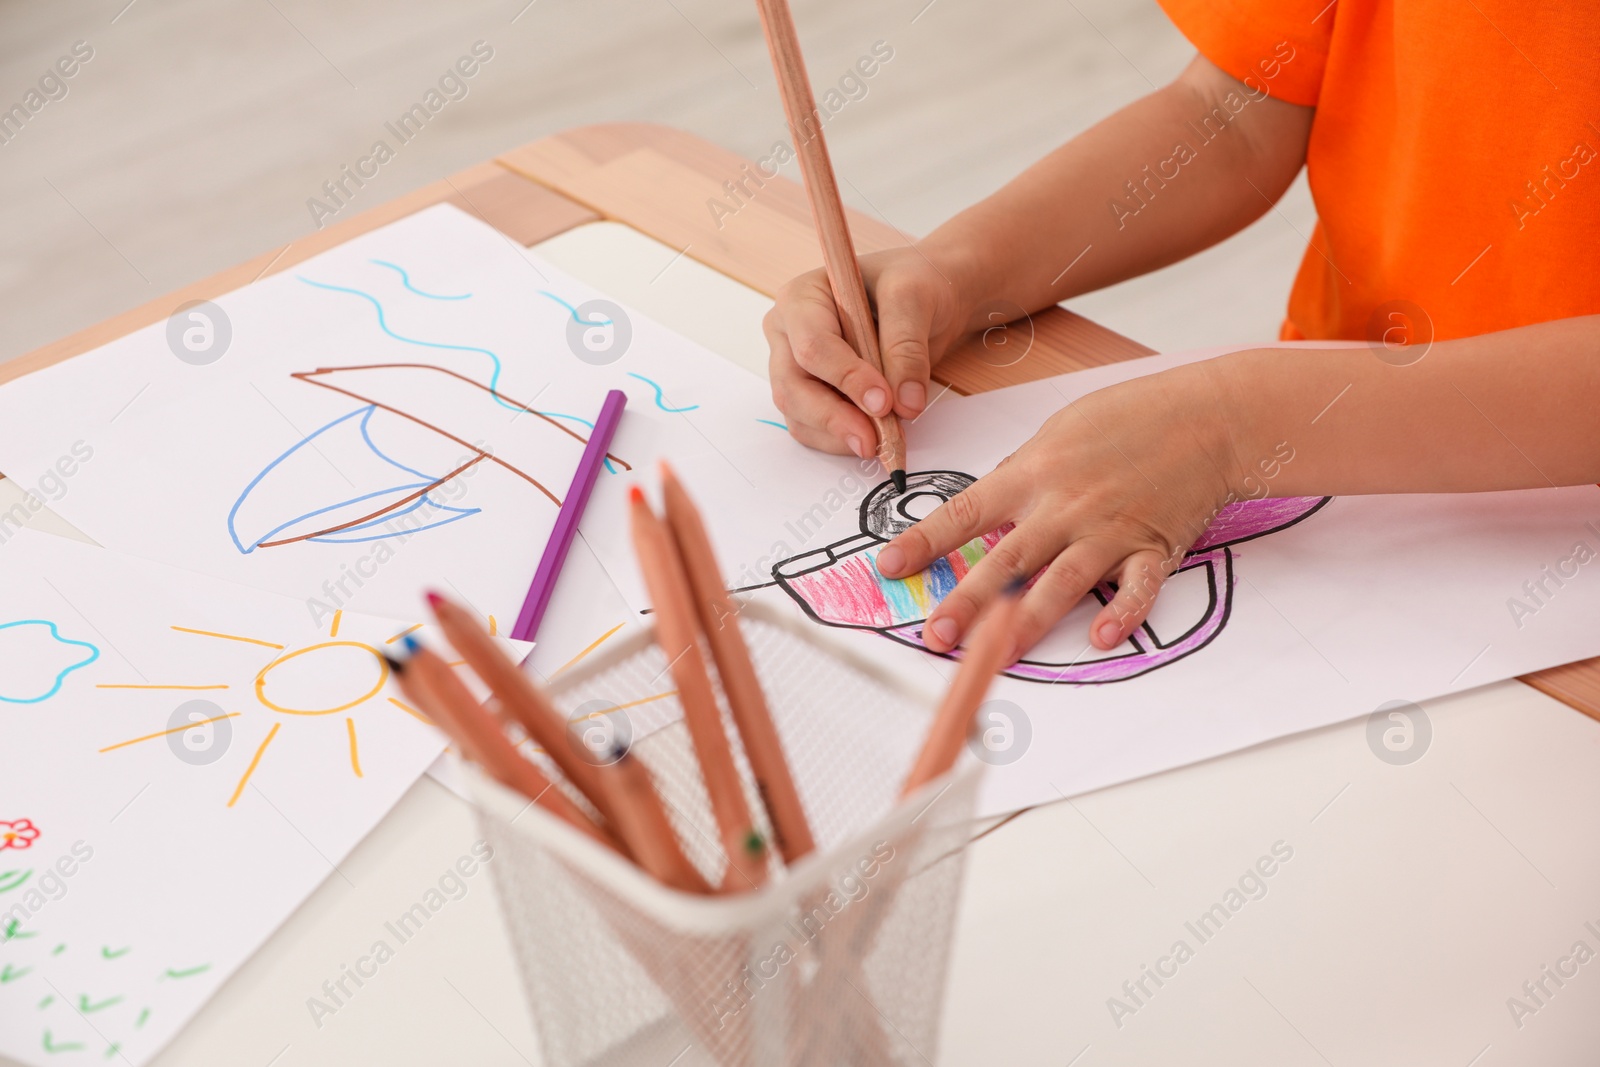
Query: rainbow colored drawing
{"x": 839, "y": 585}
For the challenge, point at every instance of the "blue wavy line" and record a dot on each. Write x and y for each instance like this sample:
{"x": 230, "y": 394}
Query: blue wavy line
{"x": 494, "y": 379}
{"x": 773, "y": 422}
{"x": 383, "y": 324}
{"x": 574, "y": 311}
{"x": 660, "y": 403}
{"x": 94, "y": 654}
{"x": 405, "y": 279}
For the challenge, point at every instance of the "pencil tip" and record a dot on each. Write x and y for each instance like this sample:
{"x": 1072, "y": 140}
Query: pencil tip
{"x": 899, "y": 479}
{"x": 754, "y": 843}
{"x": 635, "y": 495}
{"x": 434, "y": 599}
{"x": 395, "y": 665}
{"x": 412, "y": 645}
{"x": 1016, "y": 586}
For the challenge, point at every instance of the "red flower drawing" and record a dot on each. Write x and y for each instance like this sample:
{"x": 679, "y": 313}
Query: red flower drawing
{"x": 19, "y": 834}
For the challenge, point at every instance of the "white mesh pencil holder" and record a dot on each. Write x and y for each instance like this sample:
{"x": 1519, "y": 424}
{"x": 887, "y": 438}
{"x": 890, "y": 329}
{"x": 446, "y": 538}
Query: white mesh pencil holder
{"x": 841, "y": 959}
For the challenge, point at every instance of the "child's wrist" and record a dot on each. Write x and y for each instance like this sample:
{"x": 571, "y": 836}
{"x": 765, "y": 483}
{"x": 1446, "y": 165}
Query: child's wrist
{"x": 1234, "y": 429}
{"x": 972, "y": 270}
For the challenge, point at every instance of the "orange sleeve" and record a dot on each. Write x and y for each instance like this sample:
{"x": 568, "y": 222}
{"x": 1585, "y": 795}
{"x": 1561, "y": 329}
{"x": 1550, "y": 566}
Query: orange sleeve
{"x": 1281, "y": 45}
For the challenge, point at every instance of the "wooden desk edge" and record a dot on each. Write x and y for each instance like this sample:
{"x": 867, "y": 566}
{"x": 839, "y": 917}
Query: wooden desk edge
{"x": 548, "y": 186}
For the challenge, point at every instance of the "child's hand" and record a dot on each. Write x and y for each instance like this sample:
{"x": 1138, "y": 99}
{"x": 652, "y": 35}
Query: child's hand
{"x": 823, "y": 387}
{"x": 1115, "y": 486}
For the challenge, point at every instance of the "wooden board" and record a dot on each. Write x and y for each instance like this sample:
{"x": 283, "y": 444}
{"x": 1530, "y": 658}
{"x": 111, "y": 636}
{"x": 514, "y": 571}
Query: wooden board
{"x": 667, "y": 184}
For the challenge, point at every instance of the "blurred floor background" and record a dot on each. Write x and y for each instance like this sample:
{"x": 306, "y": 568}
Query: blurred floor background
{"x": 198, "y": 131}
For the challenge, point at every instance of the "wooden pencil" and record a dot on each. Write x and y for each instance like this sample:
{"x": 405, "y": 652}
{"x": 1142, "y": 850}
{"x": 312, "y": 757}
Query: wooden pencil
{"x": 429, "y": 680}
{"x": 677, "y": 633}
{"x": 620, "y": 788}
{"x": 827, "y": 211}
{"x": 985, "y": 656}
{"x": 643, "y": 825}
{"x": 719, "y": 618}
{"x": 521, "y": 699}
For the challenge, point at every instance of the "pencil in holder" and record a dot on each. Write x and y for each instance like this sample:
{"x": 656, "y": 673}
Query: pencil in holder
{"x": 840, "y": 959}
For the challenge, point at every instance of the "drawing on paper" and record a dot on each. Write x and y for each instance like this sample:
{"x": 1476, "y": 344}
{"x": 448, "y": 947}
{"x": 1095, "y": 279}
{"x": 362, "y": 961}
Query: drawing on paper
{"x": 125, "y": 985}
{"x": 363, "y": 676}
{"x": 376, "y": 488}
{"x": 18, "y": 833}
{"x": 388, "y": 460}
{"x": 33, "y": 672}
{"x": 839, "y": 584}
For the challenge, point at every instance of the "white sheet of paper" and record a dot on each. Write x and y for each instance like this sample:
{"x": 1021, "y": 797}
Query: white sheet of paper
{"x": 1330, "y": 614}
{"x": 363, "y": 435}
{"x": 182, "y": 761}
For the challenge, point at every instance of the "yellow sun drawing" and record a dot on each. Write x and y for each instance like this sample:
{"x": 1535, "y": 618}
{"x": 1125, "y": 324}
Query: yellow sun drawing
{"x": 334, "y": 704}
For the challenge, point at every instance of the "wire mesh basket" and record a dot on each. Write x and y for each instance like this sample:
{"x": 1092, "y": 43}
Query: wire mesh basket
{"x": 840, "y": 959}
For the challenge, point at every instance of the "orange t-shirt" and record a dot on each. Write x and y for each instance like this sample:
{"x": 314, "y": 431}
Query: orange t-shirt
{"x": 1454, "y": 157}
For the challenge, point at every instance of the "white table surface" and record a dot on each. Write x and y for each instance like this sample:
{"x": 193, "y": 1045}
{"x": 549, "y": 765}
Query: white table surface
{"x": 1419, "y": 898}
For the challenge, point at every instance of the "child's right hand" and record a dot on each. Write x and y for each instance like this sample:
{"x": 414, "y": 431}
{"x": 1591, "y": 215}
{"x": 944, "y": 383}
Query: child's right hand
{"x": 823, "y": 387}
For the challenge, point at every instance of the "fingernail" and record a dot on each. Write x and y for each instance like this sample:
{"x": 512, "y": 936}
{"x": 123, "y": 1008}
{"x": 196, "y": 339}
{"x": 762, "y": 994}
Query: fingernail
{"x": 913, "y": 395}
{"x": 891, "y": 561}
{"x": 945, "y": 631}
{"x": 876, "y": 401}
{"x": 856, "y": 446}
{"x": 1109, "y": 634}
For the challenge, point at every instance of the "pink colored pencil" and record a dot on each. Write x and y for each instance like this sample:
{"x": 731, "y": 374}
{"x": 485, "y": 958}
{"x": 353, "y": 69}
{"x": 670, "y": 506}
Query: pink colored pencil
{"x": 566, "y": 528}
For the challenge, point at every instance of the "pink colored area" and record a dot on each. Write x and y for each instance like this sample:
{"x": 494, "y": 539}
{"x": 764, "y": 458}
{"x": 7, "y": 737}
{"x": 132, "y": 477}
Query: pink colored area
{"x": 1245, "y": 519}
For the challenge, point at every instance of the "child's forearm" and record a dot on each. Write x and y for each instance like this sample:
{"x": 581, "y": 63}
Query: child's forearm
{"x": 1511, "y": 410}
{"x": 1167, "y": 176}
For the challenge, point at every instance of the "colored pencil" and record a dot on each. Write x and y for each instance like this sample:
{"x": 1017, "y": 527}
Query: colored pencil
{"x": 520, "y": 699}
{"x": 719, "y": 618}
{"x": 431, "y": 682}
{"x": 827, "y": 211}
{"x": 985, "y": 657}
{"x": 621, "y": 788}
{"x": 676, "y": 632}
{"x": 566, "y": 527}
{"x": 643, "y": 824}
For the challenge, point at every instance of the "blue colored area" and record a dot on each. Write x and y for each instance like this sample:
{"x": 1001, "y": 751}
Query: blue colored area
{"x": 574, "y": 311}
{"x": 660, "y": 403}
{"x": 405, "y": 279}
{"x": 903, "y": 607}
{"x": 941, "y": 580}
{"x": 94, "y": 654}
{"x": 354, "y": 533}
{"x": 773, "y": 422}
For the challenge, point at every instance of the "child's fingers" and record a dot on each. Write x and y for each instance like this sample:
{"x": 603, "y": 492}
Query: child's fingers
{"x": 1019, "y": 554}
{"x": 985, "y": 505}
{"x": 905, "y": 321}
{"x": 1067, "y": 580}
{"x": 811, "y": 329}
{"x": 1139, "y": 579}
{"x": 817, "y": 416}
{"x": 820, "y": 418}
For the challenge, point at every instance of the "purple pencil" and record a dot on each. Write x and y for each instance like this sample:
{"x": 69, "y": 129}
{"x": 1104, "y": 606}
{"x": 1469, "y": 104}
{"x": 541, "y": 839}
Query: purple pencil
{"x": 566, "y": 528}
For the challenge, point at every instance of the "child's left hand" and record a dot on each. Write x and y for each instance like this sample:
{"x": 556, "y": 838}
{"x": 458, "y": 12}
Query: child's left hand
{"x": 1116, "y": 486}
